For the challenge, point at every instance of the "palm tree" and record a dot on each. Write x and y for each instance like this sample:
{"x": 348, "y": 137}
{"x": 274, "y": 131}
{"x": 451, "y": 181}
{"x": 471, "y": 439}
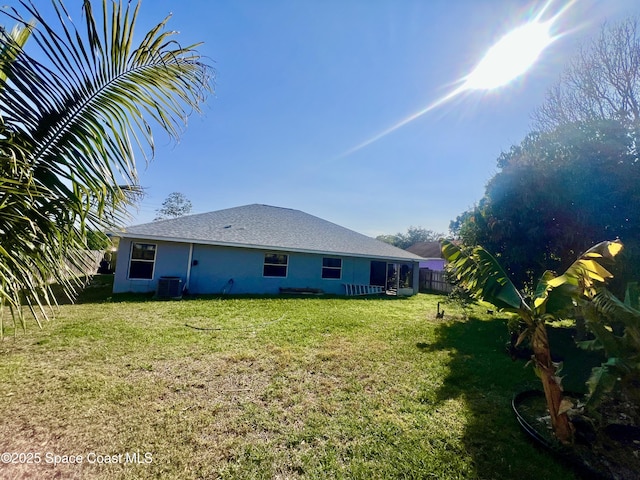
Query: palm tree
{"x": 480, "y": 274}
{"x": 73, "y": 114}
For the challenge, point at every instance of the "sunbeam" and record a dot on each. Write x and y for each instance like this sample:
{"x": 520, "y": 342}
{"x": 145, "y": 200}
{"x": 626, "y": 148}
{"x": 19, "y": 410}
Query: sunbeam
{"x": 512, "y": 56}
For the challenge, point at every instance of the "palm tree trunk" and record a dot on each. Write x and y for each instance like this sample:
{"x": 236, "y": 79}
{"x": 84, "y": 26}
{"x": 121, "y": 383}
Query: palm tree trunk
{"x": 562, "y": 426}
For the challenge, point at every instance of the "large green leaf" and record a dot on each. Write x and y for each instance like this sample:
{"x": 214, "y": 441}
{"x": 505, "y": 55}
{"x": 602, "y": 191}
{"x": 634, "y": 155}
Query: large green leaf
{"x": 556, "y": 294}
{"x": 587, "y": 272}
{"x": 75, "y": 114}
{"x": 601, "y": 382}
{"x": 632, "y": 295}
{"x": 609, "y": 306}
{"x": 12, "y": 45}
{"x": 480, "y": 274}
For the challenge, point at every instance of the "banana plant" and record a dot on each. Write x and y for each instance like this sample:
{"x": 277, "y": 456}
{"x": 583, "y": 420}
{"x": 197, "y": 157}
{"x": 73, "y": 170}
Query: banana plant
{"x": 616, "y": 327}
{"x": 480, "y": 274}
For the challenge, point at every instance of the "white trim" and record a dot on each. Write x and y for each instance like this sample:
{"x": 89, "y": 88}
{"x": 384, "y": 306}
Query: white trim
{"x": 189, "y": 262}
{"x": 158, "y": 238}
{"x": 153, "y": 262}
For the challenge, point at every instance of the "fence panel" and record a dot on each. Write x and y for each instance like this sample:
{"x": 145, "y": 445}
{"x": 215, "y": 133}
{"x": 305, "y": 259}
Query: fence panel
{"x": 85, "y": 263}
{"x": 434, "y": 281}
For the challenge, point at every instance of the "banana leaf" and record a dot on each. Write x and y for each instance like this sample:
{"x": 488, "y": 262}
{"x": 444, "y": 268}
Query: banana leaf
{"x": 480, "y": 274}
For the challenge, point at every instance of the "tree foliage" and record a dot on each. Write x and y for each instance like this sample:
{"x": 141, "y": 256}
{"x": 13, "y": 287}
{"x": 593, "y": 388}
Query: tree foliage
{"x": 412, "y": 236}
{"x": 175, "y": 205}
{"x": 76, "y": 106}
{"x": 556, "y": 194}
{"x": 97, "y": 240}
{"x": 576, "y": 179}
{"x": 601, "y": 82}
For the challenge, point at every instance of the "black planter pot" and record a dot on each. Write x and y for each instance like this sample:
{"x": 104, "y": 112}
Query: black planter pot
{"x": 582, "y": 466}
{"x": 536, "y": 436}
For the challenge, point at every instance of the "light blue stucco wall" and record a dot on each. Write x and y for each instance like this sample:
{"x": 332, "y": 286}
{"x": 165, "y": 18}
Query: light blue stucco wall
{"x": 213, "y": 267}
{"x": 217, "y": 265}
{"x": 171, "y": 260}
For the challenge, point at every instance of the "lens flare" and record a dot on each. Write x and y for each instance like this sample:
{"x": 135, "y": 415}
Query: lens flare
{"x": 512, "y": 56}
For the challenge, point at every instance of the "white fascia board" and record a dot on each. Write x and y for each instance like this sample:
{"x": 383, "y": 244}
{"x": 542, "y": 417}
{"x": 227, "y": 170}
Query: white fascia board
{"x": 134, "y": 236}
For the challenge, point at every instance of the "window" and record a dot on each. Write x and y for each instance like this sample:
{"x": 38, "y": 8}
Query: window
{"x": 332, "y": 268}
{"x": 275, "y": 265}
{"x": 143, "y": 259}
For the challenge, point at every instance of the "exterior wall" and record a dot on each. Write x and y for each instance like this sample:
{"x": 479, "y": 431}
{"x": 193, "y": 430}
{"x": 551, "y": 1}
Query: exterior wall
{"x": 171, "y": 260}
{"x": 217, "y": 265}
{"x": 436, "y": 264}
{"x": 214, "y": 266}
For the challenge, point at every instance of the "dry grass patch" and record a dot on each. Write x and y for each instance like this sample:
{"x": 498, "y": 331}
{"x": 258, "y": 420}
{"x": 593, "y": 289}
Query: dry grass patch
{"x": 276, "y": 388}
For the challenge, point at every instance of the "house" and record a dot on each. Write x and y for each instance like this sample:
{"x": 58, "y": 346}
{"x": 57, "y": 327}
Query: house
{"x": 431, "y": 253}
{"x": 259, "y": 249}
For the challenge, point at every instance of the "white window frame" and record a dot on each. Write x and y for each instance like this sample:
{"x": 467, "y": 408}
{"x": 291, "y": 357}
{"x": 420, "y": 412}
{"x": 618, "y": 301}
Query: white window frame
{"x": 265, "y": 264}
{"x": 153, "y": 262}
{"x": 331, "y": 268}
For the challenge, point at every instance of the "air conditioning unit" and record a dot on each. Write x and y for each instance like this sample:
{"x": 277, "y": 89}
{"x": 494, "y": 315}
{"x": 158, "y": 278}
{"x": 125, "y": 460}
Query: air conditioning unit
{"x": 169, "y": 287}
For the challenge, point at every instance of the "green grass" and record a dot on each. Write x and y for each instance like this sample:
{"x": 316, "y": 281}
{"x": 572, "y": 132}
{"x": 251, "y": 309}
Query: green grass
{"x": 274, "y": 388}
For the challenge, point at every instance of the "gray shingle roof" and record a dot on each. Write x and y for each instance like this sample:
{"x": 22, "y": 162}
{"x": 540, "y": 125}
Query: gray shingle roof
{"x": 426, "y": 249}
{"x": 267, "y": 227}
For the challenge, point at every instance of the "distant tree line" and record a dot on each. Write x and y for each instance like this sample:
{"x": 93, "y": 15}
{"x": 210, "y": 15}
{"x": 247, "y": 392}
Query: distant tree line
{"x": 412, "y": 236}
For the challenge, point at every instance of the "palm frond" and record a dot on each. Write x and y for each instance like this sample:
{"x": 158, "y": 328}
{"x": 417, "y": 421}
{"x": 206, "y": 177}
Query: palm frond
{"x": 75, "y": 113}
{"x": 11, "y": 46}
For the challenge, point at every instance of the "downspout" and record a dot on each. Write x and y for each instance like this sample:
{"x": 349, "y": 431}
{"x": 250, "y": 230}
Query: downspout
{"x": 188, "y": 279}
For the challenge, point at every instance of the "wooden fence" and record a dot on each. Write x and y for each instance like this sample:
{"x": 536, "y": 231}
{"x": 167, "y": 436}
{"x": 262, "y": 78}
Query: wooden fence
{"x": 84, "y": 263}
{"x": 434, "y": 281}
{"x": 89, "y": 262}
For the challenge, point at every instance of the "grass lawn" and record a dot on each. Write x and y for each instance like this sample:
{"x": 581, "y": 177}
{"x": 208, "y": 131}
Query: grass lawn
{"x": 265, "y": 388}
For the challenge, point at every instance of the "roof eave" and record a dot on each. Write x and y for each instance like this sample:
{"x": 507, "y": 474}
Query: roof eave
{"x": 159, "y": 238}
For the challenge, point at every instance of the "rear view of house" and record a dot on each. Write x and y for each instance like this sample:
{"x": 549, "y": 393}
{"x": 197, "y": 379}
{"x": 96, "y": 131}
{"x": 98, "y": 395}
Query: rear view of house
{"x": 259, "y": 249}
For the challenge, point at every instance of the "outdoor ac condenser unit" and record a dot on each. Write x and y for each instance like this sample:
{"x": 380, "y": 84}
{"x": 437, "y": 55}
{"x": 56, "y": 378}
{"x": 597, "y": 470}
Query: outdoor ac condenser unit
{"x": 169, "y": 287}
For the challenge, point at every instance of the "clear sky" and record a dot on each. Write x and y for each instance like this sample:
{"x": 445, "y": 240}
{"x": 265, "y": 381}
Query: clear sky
{"x": 300, "y": 82}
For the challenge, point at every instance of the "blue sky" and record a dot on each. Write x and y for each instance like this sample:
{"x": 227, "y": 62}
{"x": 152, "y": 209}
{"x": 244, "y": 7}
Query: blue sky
{"x": 301, "y": 82}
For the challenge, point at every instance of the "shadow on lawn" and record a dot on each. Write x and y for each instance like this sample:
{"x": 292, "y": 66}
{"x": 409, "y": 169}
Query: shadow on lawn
{"x": 484, "y": 375}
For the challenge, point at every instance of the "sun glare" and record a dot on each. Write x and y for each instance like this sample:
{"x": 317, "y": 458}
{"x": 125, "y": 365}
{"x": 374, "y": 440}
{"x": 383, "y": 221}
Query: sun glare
{"x": 511, "y": 57}
{"x": 514, "y": 54}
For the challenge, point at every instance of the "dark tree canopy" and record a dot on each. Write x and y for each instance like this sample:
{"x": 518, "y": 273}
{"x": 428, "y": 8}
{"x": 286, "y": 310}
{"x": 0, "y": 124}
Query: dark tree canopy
{"x": 175, "y": 205}
{"x": 557, "y": 194}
